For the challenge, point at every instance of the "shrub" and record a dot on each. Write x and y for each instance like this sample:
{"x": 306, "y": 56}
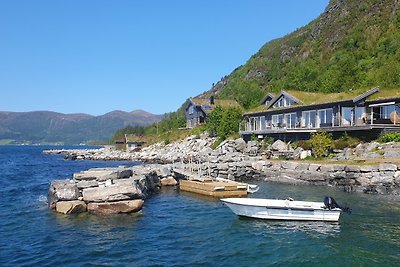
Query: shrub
{"x": 321, "y": 143}
{"x": 389, "y": 137}
{"x": 345, "y": 141}
{"x": 304, "y": 144}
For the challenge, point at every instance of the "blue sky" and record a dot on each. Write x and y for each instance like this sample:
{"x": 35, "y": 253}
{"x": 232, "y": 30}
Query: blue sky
{"x": 97, "y": 56}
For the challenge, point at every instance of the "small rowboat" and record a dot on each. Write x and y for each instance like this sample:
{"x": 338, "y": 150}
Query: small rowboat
{"x": 288, "y": 209}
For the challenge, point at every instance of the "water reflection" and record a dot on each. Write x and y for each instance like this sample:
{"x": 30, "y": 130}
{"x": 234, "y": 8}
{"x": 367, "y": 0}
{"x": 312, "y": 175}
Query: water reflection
{"x": 313, "y": 228}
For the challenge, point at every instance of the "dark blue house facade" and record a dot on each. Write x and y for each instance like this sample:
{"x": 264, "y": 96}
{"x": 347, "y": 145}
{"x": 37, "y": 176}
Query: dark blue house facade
{"x": 288, "y": 118}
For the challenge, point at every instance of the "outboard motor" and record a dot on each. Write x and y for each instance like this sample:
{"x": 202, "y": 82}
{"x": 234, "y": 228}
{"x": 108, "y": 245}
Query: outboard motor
{"x": 330, "y": 204}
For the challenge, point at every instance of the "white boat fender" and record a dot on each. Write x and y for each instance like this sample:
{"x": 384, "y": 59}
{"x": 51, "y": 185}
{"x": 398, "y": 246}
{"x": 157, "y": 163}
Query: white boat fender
{"x": 330, "y": 204}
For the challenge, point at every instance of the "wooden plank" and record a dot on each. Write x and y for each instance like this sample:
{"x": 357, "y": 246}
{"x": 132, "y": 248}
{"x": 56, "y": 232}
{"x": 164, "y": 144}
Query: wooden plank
{"x": 218, "y": 194}
{"x": 213, "y": 186}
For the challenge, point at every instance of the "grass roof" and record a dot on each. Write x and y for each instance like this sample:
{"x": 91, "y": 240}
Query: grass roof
{"x": 310, "y": 98}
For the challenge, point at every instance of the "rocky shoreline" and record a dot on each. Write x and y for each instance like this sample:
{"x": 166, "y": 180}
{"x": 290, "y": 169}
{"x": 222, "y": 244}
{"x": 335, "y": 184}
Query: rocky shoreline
{"x": 124, "y": 189}
{"x": 109, "y": 190}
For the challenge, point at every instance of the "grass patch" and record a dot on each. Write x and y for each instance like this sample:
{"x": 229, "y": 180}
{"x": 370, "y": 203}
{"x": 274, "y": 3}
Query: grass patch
{"x": 6, "y": 141}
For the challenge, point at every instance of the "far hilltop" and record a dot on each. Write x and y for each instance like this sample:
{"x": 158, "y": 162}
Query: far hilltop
{"x": 48, "y": 127}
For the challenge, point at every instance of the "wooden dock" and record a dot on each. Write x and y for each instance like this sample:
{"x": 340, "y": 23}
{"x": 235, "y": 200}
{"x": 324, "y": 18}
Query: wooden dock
{"x": 214, "y": 188}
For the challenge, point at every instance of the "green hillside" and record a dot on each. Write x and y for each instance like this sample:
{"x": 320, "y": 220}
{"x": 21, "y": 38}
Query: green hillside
{"x": 352, "y": 45}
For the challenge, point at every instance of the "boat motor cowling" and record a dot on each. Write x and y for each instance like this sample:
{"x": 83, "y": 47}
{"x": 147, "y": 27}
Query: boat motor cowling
{"x": 330, "y": 204}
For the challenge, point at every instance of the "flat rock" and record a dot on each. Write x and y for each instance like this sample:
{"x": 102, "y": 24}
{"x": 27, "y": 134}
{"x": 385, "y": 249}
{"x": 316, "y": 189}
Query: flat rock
{"x": 115, "y": 192}
{"x": 127, "y": 206}
{"x": 387, "y": 167}
{"x": 70, "y": 207}
{"x": 87, "y": 183}
{"x": 168, "y": 181}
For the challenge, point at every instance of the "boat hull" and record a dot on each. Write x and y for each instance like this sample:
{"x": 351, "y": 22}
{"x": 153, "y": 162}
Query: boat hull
{"x": 272, "y": 209}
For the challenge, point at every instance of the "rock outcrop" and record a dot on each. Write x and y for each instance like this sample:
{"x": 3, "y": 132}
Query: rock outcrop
{"x": 232, "y": 159}
{"x": 104, "y": 190}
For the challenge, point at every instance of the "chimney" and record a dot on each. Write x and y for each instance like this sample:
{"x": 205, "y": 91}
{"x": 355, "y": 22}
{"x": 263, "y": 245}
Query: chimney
{"x": 211, "y": 100}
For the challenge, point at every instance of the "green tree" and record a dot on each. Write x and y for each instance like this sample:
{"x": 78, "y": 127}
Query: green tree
{"x": 222, "y": 122}
{"x": 214, "y": 120}
{"x": 321, "y": 144}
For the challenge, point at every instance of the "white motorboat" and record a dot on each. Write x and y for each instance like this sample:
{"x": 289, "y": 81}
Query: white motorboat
{"x": 288, "y": 209}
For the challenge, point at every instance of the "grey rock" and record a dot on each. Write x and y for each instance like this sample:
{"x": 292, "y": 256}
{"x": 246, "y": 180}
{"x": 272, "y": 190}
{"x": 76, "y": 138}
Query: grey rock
{"x": 86, "y": 184}
{"x": 314, "y": 167}
{"x": 279, "y": 145}
{"x": 62, "y": 190}
{"x": 327, "y": 168}
{"x": 302, "y": 166}
{"x": 240, "y": 145}
{"x": 368, "y": 168}
{"x": 168, "y": 181}
{"x": 291, "y": 165}
{"x": 352, "y": 168}
{"x": 114, "y": 192}
{"x": 127, "y": 206}
{"x": 387, "y": 167}
{"x": 71, "y": 207}
{"x": 164, "y": 172}
{"x": 391, "y": 154}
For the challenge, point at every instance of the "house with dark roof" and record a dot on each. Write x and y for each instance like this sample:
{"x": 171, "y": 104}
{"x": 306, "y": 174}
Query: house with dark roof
{"x": 294, "y": 115}
{"x": 197, "y": 109}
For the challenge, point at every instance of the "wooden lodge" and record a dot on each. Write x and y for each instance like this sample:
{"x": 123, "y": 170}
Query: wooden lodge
{"x": 287, "y": 117}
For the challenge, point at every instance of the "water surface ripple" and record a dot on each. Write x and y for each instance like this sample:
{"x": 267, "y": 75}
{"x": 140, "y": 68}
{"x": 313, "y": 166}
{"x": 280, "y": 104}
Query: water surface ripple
{"x": 181, "y": 229}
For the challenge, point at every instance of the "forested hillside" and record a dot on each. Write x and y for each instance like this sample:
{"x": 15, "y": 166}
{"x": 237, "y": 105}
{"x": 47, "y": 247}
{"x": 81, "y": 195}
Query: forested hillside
{"x": 353, "y": 44}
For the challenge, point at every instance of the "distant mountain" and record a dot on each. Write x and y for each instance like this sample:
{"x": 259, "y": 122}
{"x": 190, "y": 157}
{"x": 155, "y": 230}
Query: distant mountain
{"x": 352, "y": 44}
{"x": 51, "y": 127}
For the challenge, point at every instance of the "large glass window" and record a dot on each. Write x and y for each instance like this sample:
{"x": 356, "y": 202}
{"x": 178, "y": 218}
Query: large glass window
{"x": 191, "y": 110}
{"x": 386, "y": 110}
{"x": 325, "y": 117}
{"x": 309, "y": 119}
{"x": 291, "y": 120}
{"x": 277, "y": 120}
{"x": 347, "y": 114}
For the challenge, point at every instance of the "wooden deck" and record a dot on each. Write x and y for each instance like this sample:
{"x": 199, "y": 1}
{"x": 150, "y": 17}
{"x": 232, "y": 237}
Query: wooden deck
{"x": 214, "y": 188}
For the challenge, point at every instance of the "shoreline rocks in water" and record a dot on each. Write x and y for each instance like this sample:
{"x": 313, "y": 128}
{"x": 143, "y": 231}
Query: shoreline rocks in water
{"x": 104, "y": 190}
{"x": 238, "y": 160}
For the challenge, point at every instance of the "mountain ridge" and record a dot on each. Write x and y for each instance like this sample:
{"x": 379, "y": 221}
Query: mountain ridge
{"x": 58, "y": 128}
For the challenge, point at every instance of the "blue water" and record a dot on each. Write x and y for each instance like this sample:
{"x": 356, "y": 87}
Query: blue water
{"x": 178, "y": 229}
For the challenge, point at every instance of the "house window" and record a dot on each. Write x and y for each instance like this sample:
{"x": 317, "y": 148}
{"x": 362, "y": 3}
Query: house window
{"x": 309, "y": 119}
{"x": 277, "y": 120}
{"x": 191, "y": 110}
{"x": 291, "y": 120}
{"x": 283, "y": 102}
{"x": 280, "y": 103}
{"x": 347, "y": 116}
{"x": 325, "y": 117}
{"x": 386, "y": 110}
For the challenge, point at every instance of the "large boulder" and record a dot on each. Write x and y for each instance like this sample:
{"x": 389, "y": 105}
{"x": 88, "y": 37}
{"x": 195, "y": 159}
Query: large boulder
{"x": 168, "y": 181}
{"x": 127, "y": 206}
{"x": 123, "y": 190}
{"x": 62, "y": 190}
{"x": 240, "y": 145}
{"x": 70, "y": 207}
{"x": 279, "y": 145}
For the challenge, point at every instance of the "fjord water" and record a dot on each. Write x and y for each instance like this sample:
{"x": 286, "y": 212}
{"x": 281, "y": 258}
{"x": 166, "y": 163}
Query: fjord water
{"x": 180, "y": 229}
